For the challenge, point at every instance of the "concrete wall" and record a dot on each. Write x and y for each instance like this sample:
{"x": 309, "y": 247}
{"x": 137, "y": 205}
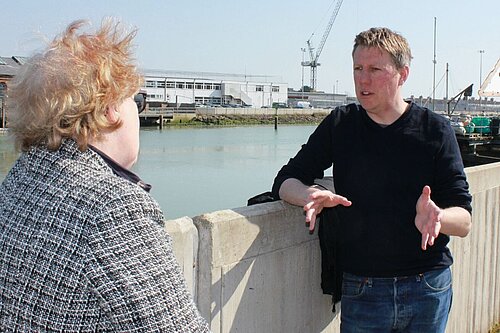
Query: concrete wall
{"x": 258, "y": 272}
{"x": 257, "y": 269}
{"x": 258, "y": 111}
{"x": 476, "y": 271}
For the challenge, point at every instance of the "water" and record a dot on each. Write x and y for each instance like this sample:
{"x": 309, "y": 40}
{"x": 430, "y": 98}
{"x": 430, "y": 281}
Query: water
{"x": 199, "y": 170}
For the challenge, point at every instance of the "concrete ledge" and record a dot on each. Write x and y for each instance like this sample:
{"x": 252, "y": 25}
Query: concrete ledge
{"x": 251, "y": 232}
{"x": 476, "y": 270}
{"x": 483, "y": 177}
{"x": 185, "y": 245}
{"x": 260, "y": 272}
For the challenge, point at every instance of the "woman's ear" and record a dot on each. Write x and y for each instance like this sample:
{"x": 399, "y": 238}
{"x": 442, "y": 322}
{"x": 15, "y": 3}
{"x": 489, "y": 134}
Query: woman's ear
{"x": 112, "y": 114}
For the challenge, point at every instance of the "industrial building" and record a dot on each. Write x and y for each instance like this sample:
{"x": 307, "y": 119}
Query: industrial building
{"x": 180, "y": 88}
{"x": 317, "y": 99}
{"x": 8, "y": 69}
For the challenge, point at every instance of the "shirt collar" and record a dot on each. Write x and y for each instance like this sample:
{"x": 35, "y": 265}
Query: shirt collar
{"x": 121, "y": 171}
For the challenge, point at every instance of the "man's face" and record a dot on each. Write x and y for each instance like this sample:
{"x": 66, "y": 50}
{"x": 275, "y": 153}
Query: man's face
{"x": 377, "y": 80}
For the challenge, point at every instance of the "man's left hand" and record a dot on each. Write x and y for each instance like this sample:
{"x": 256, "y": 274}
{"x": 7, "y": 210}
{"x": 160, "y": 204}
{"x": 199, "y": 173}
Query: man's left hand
{"x": 428, "y": 218}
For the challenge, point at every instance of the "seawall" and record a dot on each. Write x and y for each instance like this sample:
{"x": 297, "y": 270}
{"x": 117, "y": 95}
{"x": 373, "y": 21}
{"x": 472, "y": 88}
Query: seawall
{"x": 257, "y": 269}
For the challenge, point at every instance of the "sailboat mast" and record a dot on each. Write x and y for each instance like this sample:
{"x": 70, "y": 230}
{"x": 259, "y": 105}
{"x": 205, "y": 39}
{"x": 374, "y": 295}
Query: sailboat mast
{"x": 446, "y": 97}
{"x": 434, "y": 73}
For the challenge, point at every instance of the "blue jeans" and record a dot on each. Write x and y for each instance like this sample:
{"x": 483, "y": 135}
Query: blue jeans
{"x": 418, "y": 303}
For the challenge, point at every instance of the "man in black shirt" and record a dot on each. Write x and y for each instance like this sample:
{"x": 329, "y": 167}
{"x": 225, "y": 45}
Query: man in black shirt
{"x": 401, "y": 192}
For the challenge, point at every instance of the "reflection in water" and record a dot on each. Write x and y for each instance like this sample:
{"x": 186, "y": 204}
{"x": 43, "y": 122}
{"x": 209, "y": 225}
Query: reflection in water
{"x": 207, "y": 169}
{"x": 199, "y": 170}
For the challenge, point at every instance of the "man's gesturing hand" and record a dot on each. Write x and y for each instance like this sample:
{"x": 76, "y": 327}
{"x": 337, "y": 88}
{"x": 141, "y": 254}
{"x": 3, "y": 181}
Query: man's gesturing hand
{"x": 319, "y": 200}
{"x": 428, "y": 218}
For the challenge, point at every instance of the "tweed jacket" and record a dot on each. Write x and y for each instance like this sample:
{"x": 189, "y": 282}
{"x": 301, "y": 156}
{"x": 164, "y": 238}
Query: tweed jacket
{"x": 83, "y": 250}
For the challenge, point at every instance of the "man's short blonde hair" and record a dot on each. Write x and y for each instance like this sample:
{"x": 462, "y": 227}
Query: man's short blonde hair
{"x": 385, "y": 39}
{"x": 64, "y": 91}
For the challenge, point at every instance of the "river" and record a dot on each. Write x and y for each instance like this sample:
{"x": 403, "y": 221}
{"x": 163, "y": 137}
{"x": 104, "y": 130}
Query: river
{"x": 199, "y": 170}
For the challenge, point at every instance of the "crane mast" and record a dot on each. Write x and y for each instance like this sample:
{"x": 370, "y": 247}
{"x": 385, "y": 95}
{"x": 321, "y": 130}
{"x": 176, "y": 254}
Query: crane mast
{"x": 314, "y": 58}
{"x": 491, "y": 86}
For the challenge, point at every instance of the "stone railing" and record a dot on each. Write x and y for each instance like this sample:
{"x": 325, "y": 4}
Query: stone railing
{"x": 257, "y": 269}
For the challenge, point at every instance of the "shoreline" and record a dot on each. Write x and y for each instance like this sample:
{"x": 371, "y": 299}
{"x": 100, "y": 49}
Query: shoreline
{"x": 305, "y": 117}
{"x": 243, "y": 120}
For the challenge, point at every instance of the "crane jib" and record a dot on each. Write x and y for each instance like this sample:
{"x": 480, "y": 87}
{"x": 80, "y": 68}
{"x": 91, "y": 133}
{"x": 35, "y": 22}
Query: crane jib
{"x": 313, "y": 63}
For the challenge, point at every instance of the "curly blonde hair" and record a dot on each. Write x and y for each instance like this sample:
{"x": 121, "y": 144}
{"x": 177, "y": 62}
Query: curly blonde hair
{"x": 386, "y": 39}
{"x": 64, "y": 91}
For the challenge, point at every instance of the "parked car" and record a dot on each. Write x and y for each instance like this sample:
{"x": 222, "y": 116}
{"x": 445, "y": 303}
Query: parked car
{"x": 279, "y": 105}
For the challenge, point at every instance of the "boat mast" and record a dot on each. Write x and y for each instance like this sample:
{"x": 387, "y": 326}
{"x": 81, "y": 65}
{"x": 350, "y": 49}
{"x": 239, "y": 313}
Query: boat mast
{"x": 446, "y": 97}
{"x": 434, "y": 74}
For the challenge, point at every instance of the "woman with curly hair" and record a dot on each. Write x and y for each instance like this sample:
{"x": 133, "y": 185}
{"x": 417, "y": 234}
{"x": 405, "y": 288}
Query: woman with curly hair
{"x": 82, "y": 244}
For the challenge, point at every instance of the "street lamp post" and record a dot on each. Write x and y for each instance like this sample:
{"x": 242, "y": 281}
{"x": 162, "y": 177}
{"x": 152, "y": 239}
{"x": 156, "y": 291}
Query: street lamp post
{"x": 480, "y": 72}
{"x": 480, "y": 67}
{"x": 302, "y": 65}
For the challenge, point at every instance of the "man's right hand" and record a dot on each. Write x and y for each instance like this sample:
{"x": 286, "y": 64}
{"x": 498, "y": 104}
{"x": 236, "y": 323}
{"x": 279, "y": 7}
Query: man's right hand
{"x": 319, "y": 200}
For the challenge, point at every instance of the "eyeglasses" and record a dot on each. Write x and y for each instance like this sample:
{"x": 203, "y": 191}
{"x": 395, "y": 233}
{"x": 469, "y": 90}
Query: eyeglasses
{"x": 140, "y": 100}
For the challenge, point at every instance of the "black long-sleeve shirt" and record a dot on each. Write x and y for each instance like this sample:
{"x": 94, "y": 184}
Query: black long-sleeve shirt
{"x": 383, "y": 170}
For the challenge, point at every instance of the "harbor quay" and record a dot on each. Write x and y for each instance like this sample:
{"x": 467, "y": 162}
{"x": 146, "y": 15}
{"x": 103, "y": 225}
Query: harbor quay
{"x": 166, "y": 116}
{"x": 257, "y": 269}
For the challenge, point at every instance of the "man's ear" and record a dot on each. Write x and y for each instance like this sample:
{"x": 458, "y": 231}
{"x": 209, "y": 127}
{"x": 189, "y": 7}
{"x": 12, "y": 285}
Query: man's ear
{"x": 404, "y": 72}
{"x": 112, "y": 114}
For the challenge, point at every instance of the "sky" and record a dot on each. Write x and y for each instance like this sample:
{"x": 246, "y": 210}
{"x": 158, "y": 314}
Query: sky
{"x": 265, "y": 37}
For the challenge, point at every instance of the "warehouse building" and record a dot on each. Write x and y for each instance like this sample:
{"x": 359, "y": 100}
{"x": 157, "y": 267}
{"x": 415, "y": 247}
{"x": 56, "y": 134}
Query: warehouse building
{"x": 177, "y": 89}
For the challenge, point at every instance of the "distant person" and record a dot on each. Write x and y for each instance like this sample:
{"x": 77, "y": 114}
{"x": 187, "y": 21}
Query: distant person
{"x": 82, "y": 243}
{"x": 401, "y": 192}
